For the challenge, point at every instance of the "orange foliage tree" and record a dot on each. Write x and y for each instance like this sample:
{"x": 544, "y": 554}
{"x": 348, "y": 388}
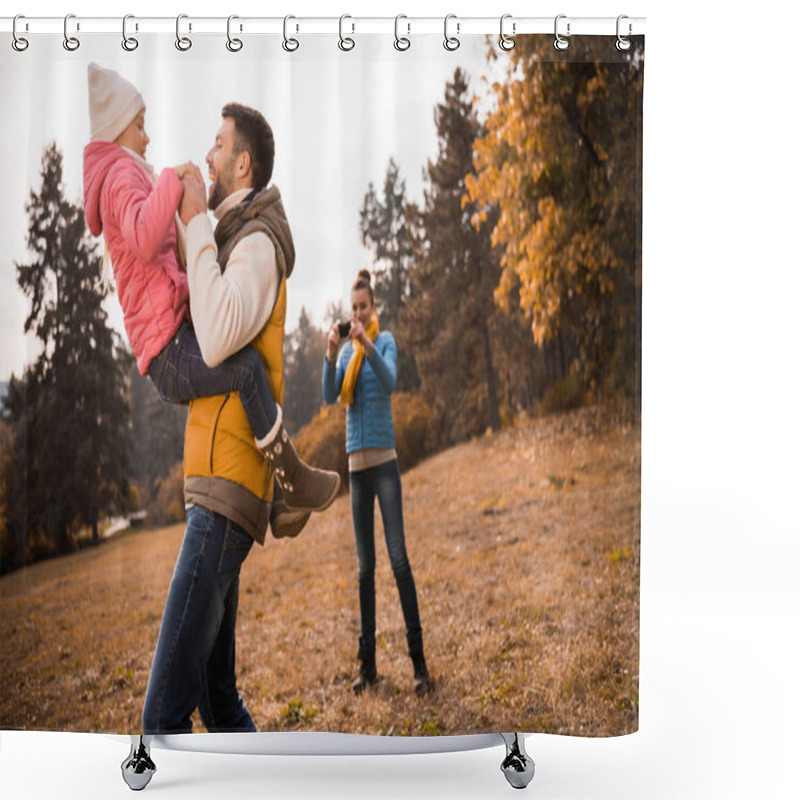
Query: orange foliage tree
{"x": 561, "y": 158}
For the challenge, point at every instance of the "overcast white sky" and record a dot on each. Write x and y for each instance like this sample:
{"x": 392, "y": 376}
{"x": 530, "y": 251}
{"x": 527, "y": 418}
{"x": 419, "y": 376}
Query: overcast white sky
{"x": 337, "y": 117}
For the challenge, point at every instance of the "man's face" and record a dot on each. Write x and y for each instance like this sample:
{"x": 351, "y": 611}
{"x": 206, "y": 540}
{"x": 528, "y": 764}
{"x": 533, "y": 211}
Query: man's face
{"x": 221, "y": 161}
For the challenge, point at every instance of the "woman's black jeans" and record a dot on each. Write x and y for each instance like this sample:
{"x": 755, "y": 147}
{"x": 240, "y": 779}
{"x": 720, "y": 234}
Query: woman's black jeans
{"x": 382, "y": 481}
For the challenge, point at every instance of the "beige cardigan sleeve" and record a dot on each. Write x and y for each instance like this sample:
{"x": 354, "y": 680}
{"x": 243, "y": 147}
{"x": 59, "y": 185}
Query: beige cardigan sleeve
{"x": 229, "y": 308}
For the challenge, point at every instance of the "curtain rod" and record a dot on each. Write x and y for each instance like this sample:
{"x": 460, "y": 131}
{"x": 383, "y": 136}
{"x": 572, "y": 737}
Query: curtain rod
{"x": 347, "y": 25}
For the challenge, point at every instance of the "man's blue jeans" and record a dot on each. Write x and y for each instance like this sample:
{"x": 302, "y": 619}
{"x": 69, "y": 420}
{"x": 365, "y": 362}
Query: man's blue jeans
{"x": 382, "y": 481}
{"x": 195, "y": 661}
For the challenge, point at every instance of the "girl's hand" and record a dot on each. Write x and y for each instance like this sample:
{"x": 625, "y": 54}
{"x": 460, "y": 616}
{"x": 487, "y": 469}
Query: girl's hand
{"x": 182, "y": 169}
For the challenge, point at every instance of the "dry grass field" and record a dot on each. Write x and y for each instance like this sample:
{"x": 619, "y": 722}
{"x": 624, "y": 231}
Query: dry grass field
{"x": 525, "y": 550}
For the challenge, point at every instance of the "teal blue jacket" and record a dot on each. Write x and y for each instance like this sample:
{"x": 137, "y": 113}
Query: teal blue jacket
{"x": 369, "y": 418}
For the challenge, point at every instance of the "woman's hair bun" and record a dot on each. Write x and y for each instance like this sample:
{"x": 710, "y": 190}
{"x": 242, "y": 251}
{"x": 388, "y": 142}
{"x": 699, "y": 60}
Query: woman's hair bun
{"x": 364, "y": 281}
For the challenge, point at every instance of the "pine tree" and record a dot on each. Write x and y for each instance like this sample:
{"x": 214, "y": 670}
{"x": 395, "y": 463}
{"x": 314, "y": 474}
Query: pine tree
{"x": 302, "y": 369}
{"x": 155, "y": 437}
{"x": 69, "y": 410}
{"x": 385, "y": 232}
{"x": 452, "y": 321}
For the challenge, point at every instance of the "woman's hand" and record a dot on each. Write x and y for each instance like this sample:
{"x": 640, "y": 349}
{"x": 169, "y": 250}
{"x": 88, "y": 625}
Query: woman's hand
{"x": 358, "y": 333}
{"x": 333, "y": 344}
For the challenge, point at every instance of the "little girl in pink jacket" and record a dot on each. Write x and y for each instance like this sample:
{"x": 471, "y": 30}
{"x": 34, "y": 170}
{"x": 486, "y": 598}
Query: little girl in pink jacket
{"x": 135, "y": 212}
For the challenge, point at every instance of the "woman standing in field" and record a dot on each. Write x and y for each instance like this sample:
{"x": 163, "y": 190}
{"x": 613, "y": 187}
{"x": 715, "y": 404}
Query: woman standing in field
{"x": 364, "y": 377}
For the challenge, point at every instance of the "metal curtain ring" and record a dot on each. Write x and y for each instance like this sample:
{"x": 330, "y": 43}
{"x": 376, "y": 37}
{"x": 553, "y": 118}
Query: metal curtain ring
{"x": 290, "y": 44}
{"x": 345, "y": 42}
{"x": 506, "y": 42}
{"x": 623, "y": 43}
{"x": 561, "y": 42}
{"x": 70, "y": 42}
{"x": 401, "y": 43}
{"x": 183, "y": 43}
{"x": 128, "y": 42}
{"x": 19, "y": 43}
{"x": 233, "y": 44}
{"x": 451, "y": 42}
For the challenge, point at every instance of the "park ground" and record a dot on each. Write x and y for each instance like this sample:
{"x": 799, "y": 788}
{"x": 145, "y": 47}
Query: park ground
{"x": 525, "y": 550}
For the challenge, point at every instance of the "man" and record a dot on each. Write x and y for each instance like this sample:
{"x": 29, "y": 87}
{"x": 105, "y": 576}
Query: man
{"x": 237, "y": 282}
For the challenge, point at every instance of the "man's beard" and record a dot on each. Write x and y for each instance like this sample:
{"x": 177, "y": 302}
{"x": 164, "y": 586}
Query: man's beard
{"x": 220, "y": 189}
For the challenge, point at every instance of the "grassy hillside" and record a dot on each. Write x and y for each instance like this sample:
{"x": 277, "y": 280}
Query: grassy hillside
{"x": 525, "y": 550}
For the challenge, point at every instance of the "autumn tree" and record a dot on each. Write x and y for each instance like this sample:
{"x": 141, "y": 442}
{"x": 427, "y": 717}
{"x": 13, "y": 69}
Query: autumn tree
{"x": 385, "y": 233}
{"x": 68, "y": 411}
{"x": 561, "y": 158}
{"x": 452, "y": 322}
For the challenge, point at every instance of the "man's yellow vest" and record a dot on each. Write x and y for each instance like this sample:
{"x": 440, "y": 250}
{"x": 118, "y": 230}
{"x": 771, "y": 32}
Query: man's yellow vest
{"x": 223, "y": 470}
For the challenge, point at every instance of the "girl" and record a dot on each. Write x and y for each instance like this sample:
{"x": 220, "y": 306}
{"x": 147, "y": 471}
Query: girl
{"x": 135, "y": 211}
{"x": 364, "y": 377}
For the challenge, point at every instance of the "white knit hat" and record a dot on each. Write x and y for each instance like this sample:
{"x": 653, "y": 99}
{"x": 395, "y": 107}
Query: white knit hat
{"x": 113, "y": 103}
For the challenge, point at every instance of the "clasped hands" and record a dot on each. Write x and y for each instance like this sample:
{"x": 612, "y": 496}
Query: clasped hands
{"x": 194, "y": 200}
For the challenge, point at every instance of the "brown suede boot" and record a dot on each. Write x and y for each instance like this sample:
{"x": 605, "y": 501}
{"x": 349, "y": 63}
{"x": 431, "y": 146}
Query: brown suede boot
{"x": 285, "y": 524}
{"x": 304, "y": 488}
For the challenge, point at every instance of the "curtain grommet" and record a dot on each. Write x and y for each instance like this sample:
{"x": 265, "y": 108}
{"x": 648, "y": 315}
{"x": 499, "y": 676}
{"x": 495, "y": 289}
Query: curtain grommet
{"x": 129, "y": 43}
{"x": 346, "y": 43}
{"x": 71, "y": 43}
{"x": 401, "y": 43}
{"x": 183, "y": 43}
{"x": 451, "y": 43}
{"x": 19, "y": 43}
{"x": 507, "y": 42}
{"x": 289, "y": 44}
{"x": 233, "y": 44}
{"x": 561, "y": 42}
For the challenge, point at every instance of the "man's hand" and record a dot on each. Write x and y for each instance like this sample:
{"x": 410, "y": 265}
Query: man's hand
{"x": 194, "y": 196}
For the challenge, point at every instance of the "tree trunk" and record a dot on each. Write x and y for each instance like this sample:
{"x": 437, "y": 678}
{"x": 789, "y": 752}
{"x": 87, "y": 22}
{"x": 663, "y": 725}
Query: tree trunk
{"x": 494, "y": 411}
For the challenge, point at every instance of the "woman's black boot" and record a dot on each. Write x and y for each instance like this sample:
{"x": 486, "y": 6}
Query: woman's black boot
{"x": 422, "y": 680}
{"x": 368, "y": 672}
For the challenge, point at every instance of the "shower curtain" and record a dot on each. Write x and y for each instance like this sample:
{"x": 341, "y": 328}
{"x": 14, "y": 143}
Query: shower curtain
{"x": 494, "y": 194}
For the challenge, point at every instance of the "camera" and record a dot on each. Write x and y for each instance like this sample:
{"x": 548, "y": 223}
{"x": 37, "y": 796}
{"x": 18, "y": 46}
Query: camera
{"x": 343, "y": 329}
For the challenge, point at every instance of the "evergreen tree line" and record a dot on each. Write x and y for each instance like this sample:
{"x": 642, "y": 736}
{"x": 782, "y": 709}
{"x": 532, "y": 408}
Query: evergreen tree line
{"x": 83, "y": 435}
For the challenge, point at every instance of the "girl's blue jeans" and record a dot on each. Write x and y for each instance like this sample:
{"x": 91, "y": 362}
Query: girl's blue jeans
{"x": 195, "y": 660}
{"x": 179, "y": 374}
{"x": 382, "y": 482}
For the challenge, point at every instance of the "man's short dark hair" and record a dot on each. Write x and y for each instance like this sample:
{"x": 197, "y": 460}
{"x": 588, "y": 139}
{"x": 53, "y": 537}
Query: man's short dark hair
{"x": 253, "y": 134}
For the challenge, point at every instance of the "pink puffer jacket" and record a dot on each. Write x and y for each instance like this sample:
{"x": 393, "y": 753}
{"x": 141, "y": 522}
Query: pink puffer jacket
{"x": 137, "y": 219}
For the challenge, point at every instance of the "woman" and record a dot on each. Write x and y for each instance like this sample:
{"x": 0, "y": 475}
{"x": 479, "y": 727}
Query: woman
{"x": 364, "y": 377}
